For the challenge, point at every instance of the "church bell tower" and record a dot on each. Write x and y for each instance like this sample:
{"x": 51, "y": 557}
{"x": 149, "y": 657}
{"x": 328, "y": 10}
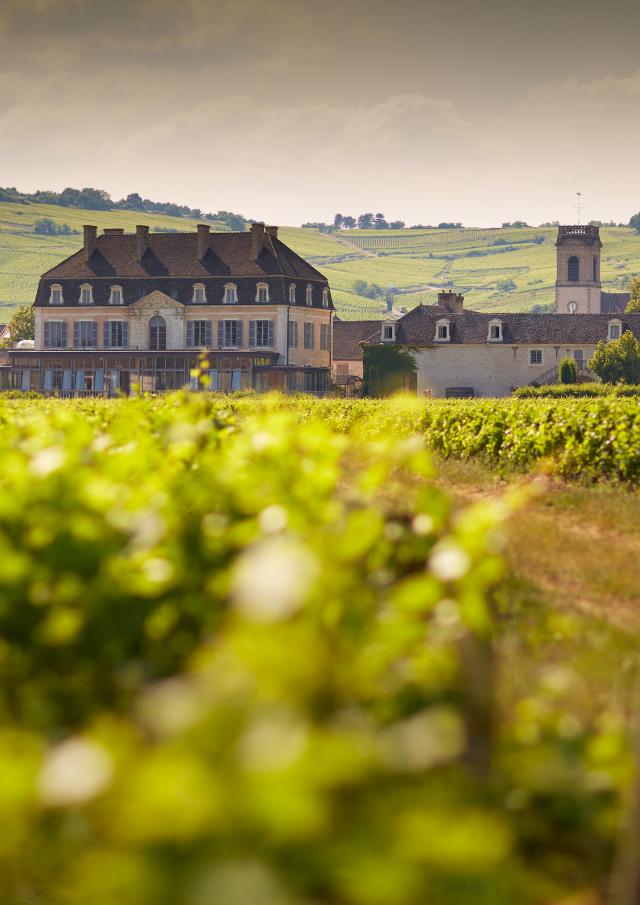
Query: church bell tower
{"x": 578, "y": 287}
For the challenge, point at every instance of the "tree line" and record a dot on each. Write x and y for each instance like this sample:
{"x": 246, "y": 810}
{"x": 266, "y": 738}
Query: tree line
{"x": 99, "y": 200}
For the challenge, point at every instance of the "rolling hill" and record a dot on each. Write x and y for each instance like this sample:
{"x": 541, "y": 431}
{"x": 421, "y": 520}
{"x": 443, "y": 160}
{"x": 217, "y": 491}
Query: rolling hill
{"x": 496, "y": 269}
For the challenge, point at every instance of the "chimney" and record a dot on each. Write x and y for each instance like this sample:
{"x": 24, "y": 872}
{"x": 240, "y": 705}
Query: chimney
{"x": 203, "y": 240}
{"x": 114, "y": 232}
{"x": 273, "y": 231}
{"x": 452, "y": 302}
{"x": 142, "y": 235}
{"x": 257, "y": 240}
{"x": 90, "y": 237}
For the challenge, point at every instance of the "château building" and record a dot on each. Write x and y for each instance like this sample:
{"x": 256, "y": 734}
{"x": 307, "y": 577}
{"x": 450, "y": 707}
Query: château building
{"x": 137, "y": 312}
{"x": 459, "y": 352}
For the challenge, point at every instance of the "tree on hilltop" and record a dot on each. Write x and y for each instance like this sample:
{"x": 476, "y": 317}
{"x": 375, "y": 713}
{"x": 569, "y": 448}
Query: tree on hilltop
{"x": 338, "y": 221}
{"x": 635, "y": 222}
{"x": 365, "y": 221}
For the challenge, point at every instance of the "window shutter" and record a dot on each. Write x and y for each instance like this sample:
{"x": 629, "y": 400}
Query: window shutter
{"x": 239, "y": 333}
{"x": 76, "y": 334}
{"x": 189, "y": 334}
{"x": 47, "y": 334}
{"x": 125, "y": 334}
{"x": 270, "y": 333}
{"x": 220, "y": 334}
{"x": 252, "y": 333}
{"x": 94, "y": 334}
{"x": 207, "y": 334}
{"x": 64, "y": 335}
{"x": 107, "y": 334}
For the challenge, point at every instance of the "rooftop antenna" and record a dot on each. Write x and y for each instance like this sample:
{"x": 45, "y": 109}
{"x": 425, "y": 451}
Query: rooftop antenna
{"x": 579, "y": 205}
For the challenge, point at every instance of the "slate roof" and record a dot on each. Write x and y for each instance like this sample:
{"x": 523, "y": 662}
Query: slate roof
{"x": 418, "y": 327}
{"x": 614, "y": 302}
{"x": 347, "y": 335}
{"x": 171, "y": 264}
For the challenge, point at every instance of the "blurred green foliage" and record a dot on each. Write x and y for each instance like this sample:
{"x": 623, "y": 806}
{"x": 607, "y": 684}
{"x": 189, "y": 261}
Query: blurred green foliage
{"x": 247, "y": 656}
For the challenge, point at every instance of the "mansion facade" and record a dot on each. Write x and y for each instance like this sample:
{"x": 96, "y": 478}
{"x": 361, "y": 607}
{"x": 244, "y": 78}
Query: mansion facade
{"x": 146, "y": 311}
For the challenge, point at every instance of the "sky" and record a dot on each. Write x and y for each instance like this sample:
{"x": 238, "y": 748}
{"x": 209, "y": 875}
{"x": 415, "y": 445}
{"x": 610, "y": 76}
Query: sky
{"x": 292, "y": 110}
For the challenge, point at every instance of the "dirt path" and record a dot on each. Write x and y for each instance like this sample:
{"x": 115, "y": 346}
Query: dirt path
{"x": 577, "y": 548}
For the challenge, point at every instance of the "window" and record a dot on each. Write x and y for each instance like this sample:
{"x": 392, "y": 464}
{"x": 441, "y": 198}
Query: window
{"x": 573, "y": 269}
{"x": 615, "y": 329}
{"x": 388, "y": 332}
{"x": 230, "y": 294}
{"x": 261, "y": 334}
{"x": 535, "y": 356}
{"x": 309, "y": 336}
{"x": 157, "y": 333}
{"x": 293, "y": 334}
{"x": 595, "y": 269}
{"x": 86, "y": 295}
{"x": 325, "y": 337}
{"x": 85, "y": 335}
{"x": 442, "y": 331}
{"x": 56, "y": 297}
{"x": 309, "y": 295}
{"x": 229, "y": 334}
{"x": 199, "y": 334}
{"x": 116, "y": 334}
{"x": 495, "y": 331}
{"x": 325, "y": 298}
{"x": 262, "y": 292}
{"x": 199, "y": 294}
{"x": 116, "y": 296}
{"x": 292, "y": 294}
{"x": 55, "y": 335}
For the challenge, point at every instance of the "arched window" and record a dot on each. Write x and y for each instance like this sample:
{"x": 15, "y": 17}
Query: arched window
{"x": 262, "y": 292}
{"x": 199, "y": 294}
{"x": 230, "y": 294}
{"x": 56, "y": 297}
{"x": 309, "y": 295}
{"x": 325, "y": 298}
{"x": 574, "y": 269}
{"x": 157, "y": 333}
{"x": 292, "y": 294}
{"x": 86, "y": 294}
{"x": 115, "y": 298}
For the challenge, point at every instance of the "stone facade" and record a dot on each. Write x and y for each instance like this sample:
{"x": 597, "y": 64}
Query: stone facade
{"x": 123, "y": 295}
{"x": 578, "y": 287}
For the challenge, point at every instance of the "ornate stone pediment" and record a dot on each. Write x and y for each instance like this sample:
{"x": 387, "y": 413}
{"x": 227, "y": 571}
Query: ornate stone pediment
{"x": 157, "y": 302}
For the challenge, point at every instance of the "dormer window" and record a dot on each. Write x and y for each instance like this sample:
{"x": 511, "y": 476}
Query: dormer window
{"x": 309, "y": 295}
{"x": 262, "y": 293}
{"x": 199, "y": 294}
{"x": 495, "y": 331}
{"x": 56, "y": 297}
{"x": 292, "y": 294}
{"x": 388, "y": 333}
{"x": 325, "y": 297}
{"x": 86, "y": 294}
{"x": 230, "y": 294}
{"x": 443, "y": 331}
{"x": 115, "y": 297}
{"x": 615, "y": 329}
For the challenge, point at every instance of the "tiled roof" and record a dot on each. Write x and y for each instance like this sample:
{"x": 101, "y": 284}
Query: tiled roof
{"x": 176, "y": 255}
{"x": 171, "y": 264}
{"x": 348, "y": 334}
{"x": 418, "y": 327}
